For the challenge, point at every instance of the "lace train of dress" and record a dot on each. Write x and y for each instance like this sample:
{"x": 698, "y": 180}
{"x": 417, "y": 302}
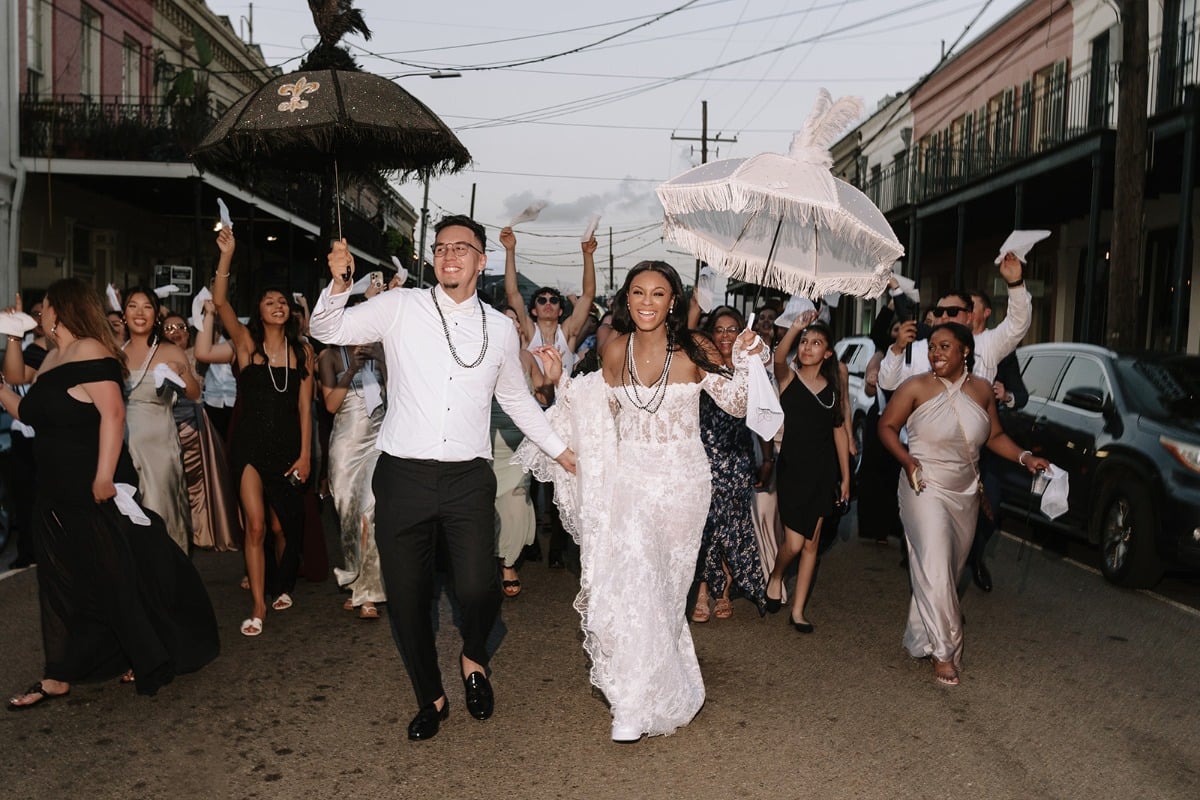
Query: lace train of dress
{"x": 637, "y": 507}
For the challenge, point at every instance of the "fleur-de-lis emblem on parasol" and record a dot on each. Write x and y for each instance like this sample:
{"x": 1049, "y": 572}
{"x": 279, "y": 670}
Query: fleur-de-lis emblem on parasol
{"x": 295, "y": 93}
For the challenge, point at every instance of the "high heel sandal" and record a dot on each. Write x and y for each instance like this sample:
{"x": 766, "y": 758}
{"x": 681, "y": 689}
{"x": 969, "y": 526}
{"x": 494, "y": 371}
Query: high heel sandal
{"x": 701, "y": 612}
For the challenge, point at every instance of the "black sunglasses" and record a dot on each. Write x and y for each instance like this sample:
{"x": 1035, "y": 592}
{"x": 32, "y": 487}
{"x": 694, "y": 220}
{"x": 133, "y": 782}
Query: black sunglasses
{"x": 548, "y": 298}
{"x": 949, "y": 311}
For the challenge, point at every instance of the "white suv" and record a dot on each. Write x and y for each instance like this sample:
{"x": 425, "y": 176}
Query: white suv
{"x": 855, "y": 352}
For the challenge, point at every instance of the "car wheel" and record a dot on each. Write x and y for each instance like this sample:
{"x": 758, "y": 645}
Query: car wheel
{"x": 1125, "y": 528}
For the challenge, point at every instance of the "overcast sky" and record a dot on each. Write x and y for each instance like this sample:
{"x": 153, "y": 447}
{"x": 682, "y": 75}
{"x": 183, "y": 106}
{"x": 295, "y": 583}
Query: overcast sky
{"x": 590, "y": 132}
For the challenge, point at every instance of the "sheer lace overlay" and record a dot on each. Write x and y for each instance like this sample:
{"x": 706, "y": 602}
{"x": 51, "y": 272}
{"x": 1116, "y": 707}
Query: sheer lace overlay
{"x": 637, "y": 507}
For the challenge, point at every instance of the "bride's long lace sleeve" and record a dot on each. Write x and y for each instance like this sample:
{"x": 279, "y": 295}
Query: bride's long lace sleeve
{"x": 730, "y": 393}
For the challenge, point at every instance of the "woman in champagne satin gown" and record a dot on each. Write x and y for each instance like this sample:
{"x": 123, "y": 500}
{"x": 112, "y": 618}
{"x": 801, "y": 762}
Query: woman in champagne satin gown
{"x": 950, "y": 415}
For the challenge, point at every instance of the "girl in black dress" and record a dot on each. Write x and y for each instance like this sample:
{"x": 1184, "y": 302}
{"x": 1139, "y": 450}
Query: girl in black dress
{"x": 815, "y": 451}
{"x": 116, "y": 597}
{"x": 272, "y": 441}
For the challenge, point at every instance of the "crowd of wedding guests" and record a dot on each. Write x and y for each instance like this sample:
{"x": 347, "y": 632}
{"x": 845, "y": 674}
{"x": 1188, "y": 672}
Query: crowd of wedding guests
{"x": 236, "y": 426}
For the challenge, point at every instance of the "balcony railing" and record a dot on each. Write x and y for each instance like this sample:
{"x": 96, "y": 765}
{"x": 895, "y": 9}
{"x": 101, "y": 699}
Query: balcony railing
{"x": 1046, "y": 112}
{"x": 108, "y": 128}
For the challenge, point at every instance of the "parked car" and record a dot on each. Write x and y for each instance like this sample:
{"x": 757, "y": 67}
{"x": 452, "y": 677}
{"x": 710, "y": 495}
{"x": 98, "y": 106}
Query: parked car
{"x": 855, "y": 352}
{"x": 1126, "y": 428}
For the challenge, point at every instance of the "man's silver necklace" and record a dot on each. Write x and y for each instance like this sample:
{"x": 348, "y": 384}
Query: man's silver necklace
{"x": 446, "y": 332}
{"x": 658, "y": 391}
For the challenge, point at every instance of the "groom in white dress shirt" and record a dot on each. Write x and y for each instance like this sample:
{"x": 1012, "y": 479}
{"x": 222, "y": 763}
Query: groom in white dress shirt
{"x": 447, "y": 355}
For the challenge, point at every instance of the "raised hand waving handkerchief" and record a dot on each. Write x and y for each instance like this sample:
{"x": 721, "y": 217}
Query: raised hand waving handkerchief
{"x": 709, "y": 287}
{"x": 764, "y": 415}
{"x": 197, "y": 320}
{"x": 114, "y": 299}
{"x": 1019, "y": 243}
{"x": 163, "y": 292}
{"x": 223, "y": 210}
{"x": 16, "y": 323}
{"x": 590, "y": 231}
{"x": 530, "y": 213}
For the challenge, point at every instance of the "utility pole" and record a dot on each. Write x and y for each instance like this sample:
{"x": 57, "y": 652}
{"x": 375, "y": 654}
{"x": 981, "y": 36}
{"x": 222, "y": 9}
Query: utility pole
{"x": 1129, "y": 179}
{"x": 703, "y": 140}
{"x": 611, "y": 284}
{"x": 471, "y": 213}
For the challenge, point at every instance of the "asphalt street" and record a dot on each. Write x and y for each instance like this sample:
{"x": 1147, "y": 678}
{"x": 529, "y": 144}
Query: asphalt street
{"x": 1071, "y": 689}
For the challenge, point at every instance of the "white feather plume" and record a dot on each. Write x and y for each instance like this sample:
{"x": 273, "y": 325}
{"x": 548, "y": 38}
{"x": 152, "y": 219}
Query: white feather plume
{"x": 826, "y": 122}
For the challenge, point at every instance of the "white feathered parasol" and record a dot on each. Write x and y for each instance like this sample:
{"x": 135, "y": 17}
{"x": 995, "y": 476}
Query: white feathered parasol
{"x": 784, "y": 220}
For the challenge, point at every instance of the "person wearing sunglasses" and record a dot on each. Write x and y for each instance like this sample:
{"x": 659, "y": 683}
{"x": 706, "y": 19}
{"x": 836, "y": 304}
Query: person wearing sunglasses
{"x": 447, "y": 356}
{"x": 991, "y": 345}
{"x": 543, "y": 324}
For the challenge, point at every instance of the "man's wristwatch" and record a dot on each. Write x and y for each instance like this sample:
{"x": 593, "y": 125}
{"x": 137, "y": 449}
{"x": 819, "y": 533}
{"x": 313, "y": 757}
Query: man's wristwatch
{"x": 1016, "y": 283}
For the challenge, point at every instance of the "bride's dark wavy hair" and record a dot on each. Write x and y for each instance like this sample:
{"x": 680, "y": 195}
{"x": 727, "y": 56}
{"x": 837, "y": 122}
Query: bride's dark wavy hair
{"x": 291, "y": 329}
{"x": 678, "y": 334}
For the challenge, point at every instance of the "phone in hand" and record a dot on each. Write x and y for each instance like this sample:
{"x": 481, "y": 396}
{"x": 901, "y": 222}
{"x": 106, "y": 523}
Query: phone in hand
{"x": 377, "y": 279}
{"x": 294, "y": 478}
{"x": 916, "y": 478}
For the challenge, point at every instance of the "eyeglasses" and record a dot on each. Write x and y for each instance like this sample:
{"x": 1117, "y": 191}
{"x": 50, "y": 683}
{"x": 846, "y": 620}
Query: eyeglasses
{"x": 173, "y": 327}
{"x": 730, "y": 329}
{"x": 548, "y": 298}
{"x": 458, "y": 248}
{"x": 949, "y": 311}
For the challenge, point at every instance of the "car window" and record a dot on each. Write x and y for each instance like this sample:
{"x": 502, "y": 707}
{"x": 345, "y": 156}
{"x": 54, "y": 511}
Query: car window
{"x": 1083, "y": 372}
{"x": 1163, "y": 388}
{"x": 1040, "y": 373}
{"x": 850, "y": 352}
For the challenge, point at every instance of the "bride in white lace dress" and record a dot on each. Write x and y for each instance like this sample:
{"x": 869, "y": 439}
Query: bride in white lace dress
{"x": 639, "y": 498}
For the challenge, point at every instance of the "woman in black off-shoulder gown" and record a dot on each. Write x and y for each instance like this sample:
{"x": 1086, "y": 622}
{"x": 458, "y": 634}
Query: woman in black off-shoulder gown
{"x": 115, "y": 596}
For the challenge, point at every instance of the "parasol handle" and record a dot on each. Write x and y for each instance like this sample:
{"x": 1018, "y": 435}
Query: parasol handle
{"x": 337, "y": 203}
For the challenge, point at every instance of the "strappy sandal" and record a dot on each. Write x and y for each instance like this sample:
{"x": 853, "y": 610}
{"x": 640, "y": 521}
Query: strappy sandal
{"x": 128, "y": 677}
{"x": 35, "y": 689}
{"x": 283, "y": 602}
{"x": 723, "y": 609}
{"x": 348, "y": 605}
{"x": 368, "y": 611}
{"x": 945, "y": 673}
{"x": 701, "y": 612}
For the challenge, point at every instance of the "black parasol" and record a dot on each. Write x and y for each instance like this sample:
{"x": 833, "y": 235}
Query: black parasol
{"x": 308, "y": 120}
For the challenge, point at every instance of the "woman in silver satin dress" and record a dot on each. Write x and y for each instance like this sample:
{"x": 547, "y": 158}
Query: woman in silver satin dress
{"x": 346, "y": 375}
{"x": 950, "y": 415}
{"x": 149, "y": 420}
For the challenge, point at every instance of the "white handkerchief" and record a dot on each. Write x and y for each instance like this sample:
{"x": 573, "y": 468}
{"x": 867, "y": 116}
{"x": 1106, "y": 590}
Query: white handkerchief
{"x": 908, "y": 286}
{"x": 164, "y": 292}
{"x": 797, "y": 305}
{"x": 163, "y": 373}
{"x": 832, "y": 299}
{"x": 128, "y": 506}
{"x": 529, "y": 214}
{"x": 709, "y": 287}
{"x": 114, "y": 300}
{"x": 401, "y": 272}
{"x": 16, "y": 323}
{"x": 223, "y": 210}
{"x": 590, "y": 231}
{"x": 764, "y": 415}
{"x": 1054, "y": 499}
{"x": 361, "y": 285}
{"x": 1019, "y": 243}
{"x": 372, "y": 395}
{"x": 197, "y": 320}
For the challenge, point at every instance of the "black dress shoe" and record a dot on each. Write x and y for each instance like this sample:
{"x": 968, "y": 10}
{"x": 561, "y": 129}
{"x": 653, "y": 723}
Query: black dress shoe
{"x": 983, "y": 578}
{"x": 480, "y": 700}
{"x": 427, "y": 721}
{"x": 772, "y": 604}
{"x": 802, "y": 627}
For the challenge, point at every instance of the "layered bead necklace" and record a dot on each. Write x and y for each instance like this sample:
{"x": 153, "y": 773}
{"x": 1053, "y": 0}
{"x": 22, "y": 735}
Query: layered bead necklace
{"x": 658, "y": 391}
{"x": 450, "y": 342}
{"x": 271, "y": 371}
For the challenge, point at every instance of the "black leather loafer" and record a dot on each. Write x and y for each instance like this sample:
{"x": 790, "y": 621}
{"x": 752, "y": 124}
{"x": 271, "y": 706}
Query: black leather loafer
{"x": 480, "y": 701}
{"x": 983, "y": 578}
{"x": 427, "y": 721}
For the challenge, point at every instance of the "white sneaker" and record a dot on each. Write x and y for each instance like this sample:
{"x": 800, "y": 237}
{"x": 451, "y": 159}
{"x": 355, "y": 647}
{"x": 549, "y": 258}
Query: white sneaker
{"x": 625, "y": 734}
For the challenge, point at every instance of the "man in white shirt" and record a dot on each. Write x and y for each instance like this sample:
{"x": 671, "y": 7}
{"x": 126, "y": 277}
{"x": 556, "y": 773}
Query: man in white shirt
{"x": 990, "y": 346}
{"x": 447, "y": 354}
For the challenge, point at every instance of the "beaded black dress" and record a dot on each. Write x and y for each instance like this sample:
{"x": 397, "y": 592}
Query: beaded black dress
{"x": 807, "y": 469}
{"x": 266, "y": 436}
{"x": 113, "y": 595}
{"x": 729, "y": 530}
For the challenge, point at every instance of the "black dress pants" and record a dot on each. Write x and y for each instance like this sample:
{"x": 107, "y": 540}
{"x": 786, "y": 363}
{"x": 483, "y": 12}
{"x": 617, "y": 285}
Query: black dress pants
{"x": 415, "y": 502}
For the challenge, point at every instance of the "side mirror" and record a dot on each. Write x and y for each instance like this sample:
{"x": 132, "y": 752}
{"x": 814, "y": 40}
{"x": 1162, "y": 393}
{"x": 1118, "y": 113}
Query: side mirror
{"x": 1087, "y": 398}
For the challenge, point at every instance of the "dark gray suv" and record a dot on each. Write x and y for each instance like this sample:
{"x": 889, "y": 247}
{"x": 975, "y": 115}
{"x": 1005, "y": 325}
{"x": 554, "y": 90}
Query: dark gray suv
{"x": 1127, "y": 430}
